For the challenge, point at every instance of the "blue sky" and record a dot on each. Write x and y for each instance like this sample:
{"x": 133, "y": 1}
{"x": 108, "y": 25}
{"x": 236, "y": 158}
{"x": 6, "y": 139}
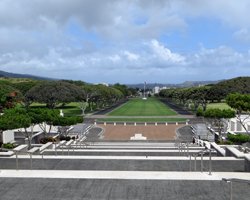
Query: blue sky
{"x": 126, "y": 41}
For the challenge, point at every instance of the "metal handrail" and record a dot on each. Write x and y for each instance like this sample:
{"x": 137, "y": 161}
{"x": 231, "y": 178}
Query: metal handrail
{"x": 202, "y": 152}
{"x": 231, "y": 180}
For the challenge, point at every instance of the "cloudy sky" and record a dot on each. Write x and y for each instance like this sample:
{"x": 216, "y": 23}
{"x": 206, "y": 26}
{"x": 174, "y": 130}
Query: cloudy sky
{"x": 126, "y": 41}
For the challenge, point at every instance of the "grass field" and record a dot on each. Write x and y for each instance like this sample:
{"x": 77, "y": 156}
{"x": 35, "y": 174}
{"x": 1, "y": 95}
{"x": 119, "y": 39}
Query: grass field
{"x": 218, "y": 105}
{"x": 139, "y": 107}
{"x": 141, "y": 120}
{"x": 70, "y": 109}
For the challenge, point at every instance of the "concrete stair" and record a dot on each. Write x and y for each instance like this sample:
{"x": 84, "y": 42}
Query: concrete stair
{"x": 124, "y": 170}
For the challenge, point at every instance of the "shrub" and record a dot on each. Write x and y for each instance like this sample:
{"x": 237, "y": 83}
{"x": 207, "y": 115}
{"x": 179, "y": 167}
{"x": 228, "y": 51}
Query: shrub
{"x": 239, "y": 138}
{"x": 47, "y": 139}
{"x": 199, "y": 112}
{"x": 225, "y": 142}
{"x": 62, "y": 137}
{"x": 8, "y": 146}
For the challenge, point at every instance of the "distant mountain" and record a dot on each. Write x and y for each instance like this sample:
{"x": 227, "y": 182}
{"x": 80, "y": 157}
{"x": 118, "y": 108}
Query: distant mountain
{"x": 179, "y": 85}
{"x": 14, "y": 75}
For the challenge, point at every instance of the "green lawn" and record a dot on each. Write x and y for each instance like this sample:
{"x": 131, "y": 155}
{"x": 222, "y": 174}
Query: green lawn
{"x": 142, "y": 120}
{"x": 70, "y": 109}
{"x": 218, "y": 105}
{"x": 139, "y": 107}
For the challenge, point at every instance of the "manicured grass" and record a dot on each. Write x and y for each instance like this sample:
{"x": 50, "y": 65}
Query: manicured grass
{"x": 70, "y": 109}
{"x": 218, "y": 105}
{"x": 139, "y": 107}
{"x": 141, "y": 120}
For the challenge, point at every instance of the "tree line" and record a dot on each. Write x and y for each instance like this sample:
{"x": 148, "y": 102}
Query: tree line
{"x": 17, "y": 96}
{"x": 235, "y": 92}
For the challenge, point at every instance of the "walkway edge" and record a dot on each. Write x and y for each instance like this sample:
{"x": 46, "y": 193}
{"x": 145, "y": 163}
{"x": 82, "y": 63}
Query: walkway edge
{"x": 132, "y": 175}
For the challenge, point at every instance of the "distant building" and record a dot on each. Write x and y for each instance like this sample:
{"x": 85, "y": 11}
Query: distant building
{"x": 157, "y": 89}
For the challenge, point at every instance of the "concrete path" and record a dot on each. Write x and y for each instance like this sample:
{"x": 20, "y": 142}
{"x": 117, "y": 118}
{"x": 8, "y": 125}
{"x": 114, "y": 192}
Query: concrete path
{"x": 135, "y": 175}
{"x": 118, "y": 189}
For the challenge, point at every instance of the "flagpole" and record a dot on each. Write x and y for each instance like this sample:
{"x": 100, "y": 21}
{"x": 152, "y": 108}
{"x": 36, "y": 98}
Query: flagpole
{"x": 144, "y": 95}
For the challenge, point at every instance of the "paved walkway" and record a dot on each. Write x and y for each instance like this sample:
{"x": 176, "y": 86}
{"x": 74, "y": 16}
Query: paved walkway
{"x": 118, "y": 189}
{"x": 135, "y": 175}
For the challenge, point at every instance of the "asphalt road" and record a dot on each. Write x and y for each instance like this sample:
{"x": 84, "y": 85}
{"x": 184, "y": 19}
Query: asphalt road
{"x": 89, "y": 189}
{"x": 176, "y": 108}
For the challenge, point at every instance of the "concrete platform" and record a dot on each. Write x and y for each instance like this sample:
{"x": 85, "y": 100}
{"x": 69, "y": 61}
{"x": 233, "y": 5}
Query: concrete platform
{"x": 118, "y": 189}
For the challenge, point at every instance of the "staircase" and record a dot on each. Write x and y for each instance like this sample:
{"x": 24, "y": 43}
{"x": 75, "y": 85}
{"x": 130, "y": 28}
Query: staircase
{"x": 126, "y": 170}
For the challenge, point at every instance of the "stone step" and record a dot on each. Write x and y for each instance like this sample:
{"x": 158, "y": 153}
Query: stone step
{"x": 122, "y": 152}
{"x": 125, "y": 163}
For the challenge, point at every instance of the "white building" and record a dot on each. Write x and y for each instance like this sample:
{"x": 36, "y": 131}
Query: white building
{"x": 156, "y": 90}
{"x": 10, "y": 136}
{"x": 234, "y": 124}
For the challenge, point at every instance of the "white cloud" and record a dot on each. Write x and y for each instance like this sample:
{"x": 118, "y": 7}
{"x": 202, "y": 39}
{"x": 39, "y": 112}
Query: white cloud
{"x": 156, "y": 63}
{"x": 243, "y": 35}
{"x": 165, "y": 53}
{"x": 115, "y": 58}
{"x": 131, "y": 56}
{"x": 109, "y": 37}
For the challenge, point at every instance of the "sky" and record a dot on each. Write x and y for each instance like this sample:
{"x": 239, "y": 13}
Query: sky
{"x": 126, "y": 41}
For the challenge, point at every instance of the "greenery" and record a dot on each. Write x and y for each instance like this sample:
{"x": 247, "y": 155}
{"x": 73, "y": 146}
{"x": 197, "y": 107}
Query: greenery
{"x": 218, "y": 105}
{"x": 239, "y": 138}
{"x": 240, "y": 85}
{"x": 140, "y": 107}
{"x": 69, "y": 109}
{"x": 241, "y": 103}
{"x": 141, "y": 120}
{"x": 9, "y": 146}
{"x": 195, "y": 97}
{"x": 54, "y": 92}
{"x": 216, "y": 117}
{"x": 47, "y": 139}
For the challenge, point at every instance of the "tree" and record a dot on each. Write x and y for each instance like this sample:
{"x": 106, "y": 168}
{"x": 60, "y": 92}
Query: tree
{"x": 123, "y": 88}
{"x": 64, "y": 123}
{"x": 217, "y": 118}
{"x": 106, "y": 96}
{"x": 89, "y": 93}
{"x": 54, "y": 92}
{"x": 241, "y": 103}
{"x": 236, "y": 85}
{"x": 199, "y": 96}
{"x": 8, "y": 96}
{"x": 13, "y": 119}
